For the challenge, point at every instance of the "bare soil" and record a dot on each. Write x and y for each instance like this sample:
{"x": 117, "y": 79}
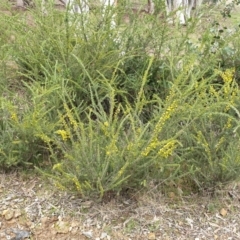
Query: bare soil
{"x": 32, "y": 206}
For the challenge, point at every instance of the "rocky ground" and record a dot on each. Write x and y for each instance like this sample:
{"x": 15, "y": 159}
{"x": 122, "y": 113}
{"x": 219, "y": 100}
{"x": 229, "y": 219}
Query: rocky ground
{"x": 31, "y": 207}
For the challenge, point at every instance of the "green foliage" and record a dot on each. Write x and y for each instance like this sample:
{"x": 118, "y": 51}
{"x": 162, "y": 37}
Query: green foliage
{"x": 115, "y": 108}
{"x": 210, "y": 136}
{"x": 115, "y": 151}
{"x": 21, "y": 131}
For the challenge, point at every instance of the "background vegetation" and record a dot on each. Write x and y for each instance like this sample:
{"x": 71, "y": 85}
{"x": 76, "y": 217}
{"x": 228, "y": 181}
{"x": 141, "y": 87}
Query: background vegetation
{"x": 102, "y": 109}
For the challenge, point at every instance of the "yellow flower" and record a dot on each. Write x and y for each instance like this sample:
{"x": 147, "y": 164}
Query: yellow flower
{"x": 158, "y": 128}
{"x": 230, "y": 87}
{"x": 44, "y": 137}
{"x": 168, "y": 149}
{"x": 57, "y": 166}
{"x": 111, "y": 148}
{"x": 227, "y": 75}
{"x": 105, "y": 128}
{"x": 14, "y": 117}
{"x": 77, "y": 184}
{"x": 152, "y": 145}
{"x": 213, "y": 92}
{"x": 228, "y": 124}
{"x": 106, "y": 124}
{"x": 63, "y": 134}
{"x": 59, "y": 186}
{"x": 130, "y": 146}
{"x": 71, "y": 117}
{"x": 122, "y": 170}
{"x": 165, "y": 116}
{"x": 222, "y": 139}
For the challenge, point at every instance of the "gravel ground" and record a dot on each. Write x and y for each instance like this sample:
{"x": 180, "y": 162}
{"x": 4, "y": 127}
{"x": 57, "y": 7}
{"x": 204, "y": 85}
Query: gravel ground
{"x": 31, "y": 207}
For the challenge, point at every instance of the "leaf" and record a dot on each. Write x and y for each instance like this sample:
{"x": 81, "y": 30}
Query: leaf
{"x": 151, "y": 236}
{"x": 223, "y": 212}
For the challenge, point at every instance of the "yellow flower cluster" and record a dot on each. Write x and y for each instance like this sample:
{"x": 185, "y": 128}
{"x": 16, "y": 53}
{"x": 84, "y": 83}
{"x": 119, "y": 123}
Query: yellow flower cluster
{"x": 44, "y": 137}
{"x": 154, "y": 142}
{"x": 71, "y": 117}
{"x": 77, "y": 184}
{"x": 166, "y": 115}
{"x": 220, "y": 142}
{"x": 168, "y": 149}
{"x": 152, "y": 145}
{"x": 63, "y": 134}
{"x": 106, "y": 124}
{"x": 111, "y": 148}
{"x": 130, "y": 146}
{"x": 228, "y": 75}
{"x": 213, "y": 92}
{"x": 229, "y": 92}
{"x": 58, "y": 167}
{"x": 224, "y": 163}
{"x": 228, "y": 124}
{"x": 122, "y": 170}
{"x": 14, "y": 117}
{"x": 59, "y": 186}
{"x": 105, "y": 128}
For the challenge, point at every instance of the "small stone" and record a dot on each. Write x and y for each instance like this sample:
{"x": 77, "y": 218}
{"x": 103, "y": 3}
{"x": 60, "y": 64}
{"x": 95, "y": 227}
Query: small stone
{"x": 98, "y": 226}
{"x": 88, "y": 234}
{"x": 151, "y": 236}
{"x": 20, "y": 234}
{"x": 8, "y": 214}
{"x": 75, "y": 224}
{"x": 103, "y": 235}
{"x": 223, "y": 212}
{"x": 17, "y": 213}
